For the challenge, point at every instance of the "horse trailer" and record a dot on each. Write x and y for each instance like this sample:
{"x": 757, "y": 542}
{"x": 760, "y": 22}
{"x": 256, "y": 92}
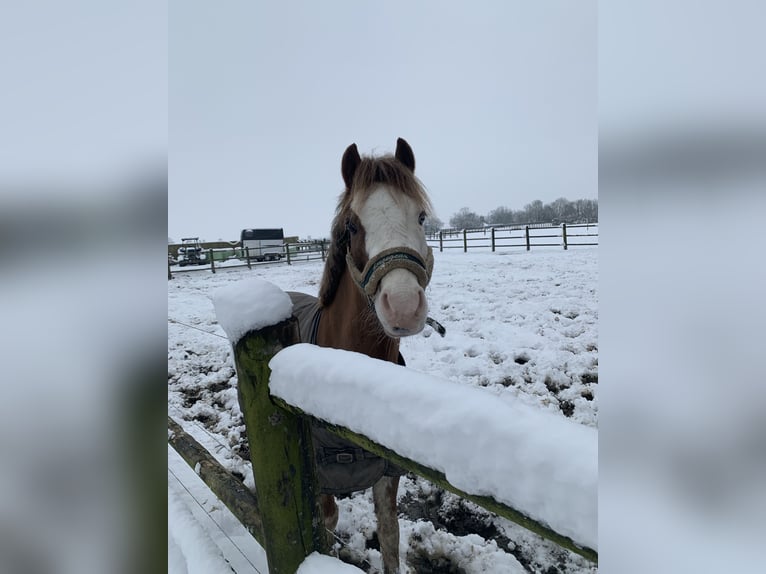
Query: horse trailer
{"x": 263, "y": 244}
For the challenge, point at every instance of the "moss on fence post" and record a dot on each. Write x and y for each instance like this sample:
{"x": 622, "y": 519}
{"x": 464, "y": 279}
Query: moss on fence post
{"x": 281, "y": 453}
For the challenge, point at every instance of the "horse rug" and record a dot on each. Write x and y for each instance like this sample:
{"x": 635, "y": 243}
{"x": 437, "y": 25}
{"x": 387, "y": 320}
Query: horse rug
{"x": 342, "y": 466}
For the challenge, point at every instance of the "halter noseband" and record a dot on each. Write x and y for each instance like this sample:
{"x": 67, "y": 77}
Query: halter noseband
{"x": 396, "y": 258}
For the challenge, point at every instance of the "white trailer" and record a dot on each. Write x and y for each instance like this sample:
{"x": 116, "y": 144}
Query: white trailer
{"x": 263, "y": 244}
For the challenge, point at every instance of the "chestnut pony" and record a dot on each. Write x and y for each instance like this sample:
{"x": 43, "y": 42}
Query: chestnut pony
{"x": 371, "y": 295}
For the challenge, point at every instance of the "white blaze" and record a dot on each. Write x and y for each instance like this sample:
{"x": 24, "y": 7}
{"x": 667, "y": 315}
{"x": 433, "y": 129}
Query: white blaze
{"x": 390, "y": 222}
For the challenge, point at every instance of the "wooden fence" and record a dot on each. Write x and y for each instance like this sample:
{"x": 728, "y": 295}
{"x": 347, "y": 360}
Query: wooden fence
{"x": 493, "y": 238}
{"x": 234, "y": 257}
{"x": 285, "y": 518}
{"x": 521, "y": 236}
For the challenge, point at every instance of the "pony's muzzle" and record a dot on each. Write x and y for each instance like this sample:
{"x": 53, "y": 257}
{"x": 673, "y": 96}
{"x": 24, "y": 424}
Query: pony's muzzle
{"x": 401, "y": 304}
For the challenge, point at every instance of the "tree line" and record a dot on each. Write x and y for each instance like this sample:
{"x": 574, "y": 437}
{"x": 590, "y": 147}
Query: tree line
{"x": 559, "y": 211}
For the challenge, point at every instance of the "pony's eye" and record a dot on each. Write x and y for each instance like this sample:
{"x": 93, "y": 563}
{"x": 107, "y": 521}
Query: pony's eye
{"x": 422, "y": 217}
{"x": 350, "y": 226}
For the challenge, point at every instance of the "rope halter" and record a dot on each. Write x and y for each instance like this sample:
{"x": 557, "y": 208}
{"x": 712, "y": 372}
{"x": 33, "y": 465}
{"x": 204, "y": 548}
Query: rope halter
{"x": 395, "y": 258}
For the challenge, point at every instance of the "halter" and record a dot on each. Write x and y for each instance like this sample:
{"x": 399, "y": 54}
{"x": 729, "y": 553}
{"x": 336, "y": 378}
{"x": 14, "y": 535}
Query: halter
{"x": 369, "y": 278}
{"x": 395, "y": 258}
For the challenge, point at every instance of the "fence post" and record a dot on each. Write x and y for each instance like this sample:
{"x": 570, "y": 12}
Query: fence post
{"x": 526, "y": 231}
{"x": 287, "y": 250}
{"x": 324, "y": 255}
{"x": 212, "y": 259}
{"x": 170, "y": 275}
{"x": 247, "y": 255}
{"x": 281, "y": 452}
{"x": 441, "y": 241}
{"x": 493, "y": 239}
{"x": 465, "y": 241}
{"x": 564, "y": 232}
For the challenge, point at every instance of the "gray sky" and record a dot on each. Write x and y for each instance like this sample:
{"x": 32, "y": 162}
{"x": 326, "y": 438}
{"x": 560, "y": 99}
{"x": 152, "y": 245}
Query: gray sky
{"x": 497, "y": 99}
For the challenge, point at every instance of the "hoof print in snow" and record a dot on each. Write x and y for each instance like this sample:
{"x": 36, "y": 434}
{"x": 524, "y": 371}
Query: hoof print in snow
{"x": 551, "y": 385}
{"x": 588, "y": 378}
{"x": 521, "y": 360}
{"x": 567, "y": 407}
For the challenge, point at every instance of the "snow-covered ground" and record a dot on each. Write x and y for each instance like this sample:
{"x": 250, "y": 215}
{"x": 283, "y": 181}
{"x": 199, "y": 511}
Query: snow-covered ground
{"x": 523, "y": 325}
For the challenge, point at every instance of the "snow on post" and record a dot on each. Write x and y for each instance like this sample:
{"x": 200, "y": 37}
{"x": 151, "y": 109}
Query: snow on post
{"x": 249, "y": 305}
{"x": 534, "y": 461}
{"x": 316, "y": 563}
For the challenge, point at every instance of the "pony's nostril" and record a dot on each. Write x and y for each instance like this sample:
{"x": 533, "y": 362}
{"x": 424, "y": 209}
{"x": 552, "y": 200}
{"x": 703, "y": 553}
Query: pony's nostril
{"x": 422, "y": 301}
{"x": 385, "y": 302}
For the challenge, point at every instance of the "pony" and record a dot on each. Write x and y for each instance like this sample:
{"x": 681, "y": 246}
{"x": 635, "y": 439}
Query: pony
{"x": 372, "y": 293}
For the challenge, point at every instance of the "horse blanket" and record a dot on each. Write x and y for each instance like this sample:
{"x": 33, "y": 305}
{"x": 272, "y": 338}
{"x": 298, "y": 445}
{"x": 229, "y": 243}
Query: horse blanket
{"x": 342, "y": 466}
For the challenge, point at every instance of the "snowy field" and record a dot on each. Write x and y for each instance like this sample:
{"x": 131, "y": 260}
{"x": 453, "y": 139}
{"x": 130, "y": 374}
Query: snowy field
{"x": 522, "y": 325}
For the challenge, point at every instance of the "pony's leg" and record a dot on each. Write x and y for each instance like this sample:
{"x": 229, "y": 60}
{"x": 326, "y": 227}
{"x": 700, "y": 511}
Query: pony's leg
{"x": 384, "y": 495}
{"x": 329, "y": 516}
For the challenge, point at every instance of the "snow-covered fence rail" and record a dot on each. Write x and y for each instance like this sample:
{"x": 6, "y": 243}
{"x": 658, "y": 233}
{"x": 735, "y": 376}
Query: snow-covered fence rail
{"x": 529, "y": 466}
{"x": 526, "y": 236}
{"x": 533, "y": 467}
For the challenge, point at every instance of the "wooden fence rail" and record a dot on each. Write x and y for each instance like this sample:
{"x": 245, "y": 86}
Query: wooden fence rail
{"x": 229, "y": 489}
{"x": 493, "y": 238}
{"x": 285, "y": 518}
{"x": 527, "y": 236}
{"x": 236, "y": 257}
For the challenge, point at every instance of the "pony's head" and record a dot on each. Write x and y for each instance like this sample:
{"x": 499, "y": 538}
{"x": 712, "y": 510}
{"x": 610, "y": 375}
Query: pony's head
{"x": 378, "y": 236}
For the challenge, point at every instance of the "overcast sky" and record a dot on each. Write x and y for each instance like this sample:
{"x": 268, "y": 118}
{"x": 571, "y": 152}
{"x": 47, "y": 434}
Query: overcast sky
{"x": 497, "y": 99}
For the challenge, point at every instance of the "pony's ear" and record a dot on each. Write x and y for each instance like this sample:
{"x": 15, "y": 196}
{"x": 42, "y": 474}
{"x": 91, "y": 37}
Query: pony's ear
{"x": 404, "y": 154}
{"x": 349, "y": 163}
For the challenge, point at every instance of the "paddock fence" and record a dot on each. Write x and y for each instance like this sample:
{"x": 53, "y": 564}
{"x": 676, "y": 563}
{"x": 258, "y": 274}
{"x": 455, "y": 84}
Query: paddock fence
{"x": 494, "y": 238}
{"x": 284, "y": 515}
{"x": 234, "y": 257}
{"x": 517, "y": 236}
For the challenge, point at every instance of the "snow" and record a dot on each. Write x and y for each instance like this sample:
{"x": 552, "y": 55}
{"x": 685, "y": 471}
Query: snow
{"x": 521, "y": 326}
{"x": 202, "y": 532}
{"x": 248, "y": 305}
{"x": 190, "y": 549}
{"x": 317, "y": 563}
{"x": 534, "y": 461}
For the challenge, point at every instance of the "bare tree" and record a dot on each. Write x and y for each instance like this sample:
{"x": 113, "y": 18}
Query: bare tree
{"x": 500, "y": 216}
{"x": 466, "y": 219}
{"x": 534, "y": 211}
{"x": 432, "y": 225}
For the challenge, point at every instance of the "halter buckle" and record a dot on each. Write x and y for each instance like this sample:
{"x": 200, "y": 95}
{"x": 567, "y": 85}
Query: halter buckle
{"x": 344, "y": 458}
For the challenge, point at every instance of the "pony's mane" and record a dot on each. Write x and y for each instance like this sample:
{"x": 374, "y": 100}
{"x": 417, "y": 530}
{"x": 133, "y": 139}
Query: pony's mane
{"x": 371, "y": 172}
